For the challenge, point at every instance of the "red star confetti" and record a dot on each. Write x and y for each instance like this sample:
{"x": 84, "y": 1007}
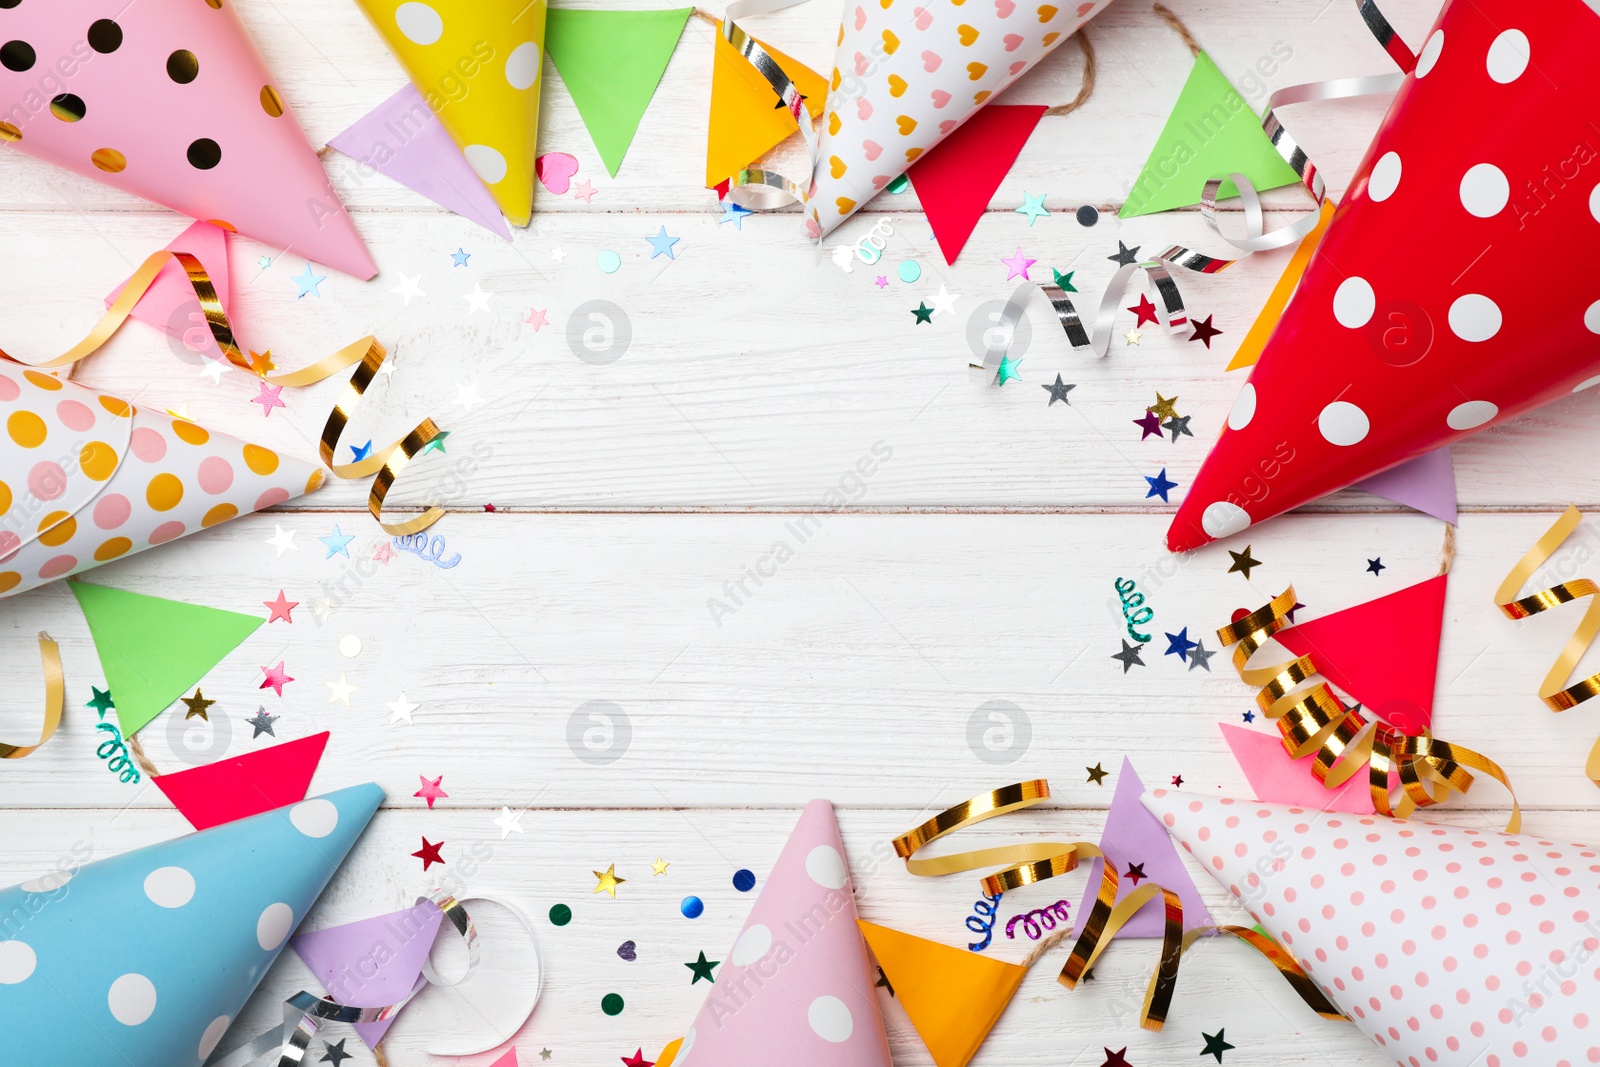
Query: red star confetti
{"x": 638, "y": 1060}
{"x": 276, "y": 679}
{"x": 1177, "y": 780}
{"x": 430, "y": 791}
{"x": 429, "y": 853}
{"x": 281, "y": 608}
{"x": 1204, "y": 331}
{"x": 1146, "y": 311}
{"x": 1116, "y": 1059}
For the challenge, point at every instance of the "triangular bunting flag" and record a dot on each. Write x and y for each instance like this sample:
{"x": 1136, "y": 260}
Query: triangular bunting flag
{"x": 242, "y": 786}
{"x": 611, "y": 62}
{"x": 1255, "y": 340}
{"x": 153, "y": 650}
{"x": 373, "y": 962}
{"x": 508, "y": 1060}
{"x": 1427, "y": 483}
{"x": 796, "y": 989}
{"x": 744, "y": 123}
{"x": 170, "y": 305}
{"x": 478, "y": 65}
{"x": 145, "y": 959}
{"x": 403, "y": 140}
{"x": 1384, "y": 653}
{"x": 1134, "y": 841}
{"x": 952, "y": 997}
{"x": 174, "y": 104}
{"x": 1212, "y": 131}
{"x": 1276, "y": 778}
{"x": 955, "y": 178}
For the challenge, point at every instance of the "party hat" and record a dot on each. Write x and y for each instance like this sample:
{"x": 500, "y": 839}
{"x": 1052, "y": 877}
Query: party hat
{"x": 1390, "y": 350}
{"x": 905, "y": 75}
{"x": 796, "y": 989}
{"x": 477, "y": 66}
{"x": 144, "y": 959}
{"x": 1443, "y": 944}
{"x": 373, "y": 962}
{"x": 172, "y": 102}
{"x": 86, "y": 477}
{"x": 953, "y": 997}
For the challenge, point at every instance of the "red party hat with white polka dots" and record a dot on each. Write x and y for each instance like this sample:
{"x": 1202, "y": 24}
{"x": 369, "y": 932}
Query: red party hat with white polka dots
{"x": 1437, "y": 303}
{"x": 86, "y": 478}
{"x": 796, "y": 989}
{"x": 1443, "y": 944}
{"x": 171, "y": 101}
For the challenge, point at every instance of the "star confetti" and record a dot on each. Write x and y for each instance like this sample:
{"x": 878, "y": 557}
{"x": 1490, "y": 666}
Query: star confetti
{"x": 1125, "y": 256}
{"x": 1008, "y": 369}
{"x": 276, "y": 678}
{"x": 1177, "y": 780}
{"x": 459, "y": 257}
{"x": 402, "y": 710}
{"x": 360, "y": 452}
{"x": 584, "y": 191}
{"x": 477, "y": 300}
{"x": 1058, "y": 391}
{"x": 637, "y": 1060}
{"x": 1215, "y": 1045}
{"x": 1097, "y": 774}
{"x": 1199, "y": 657}
{"x": 282, "y": 539}
{"x": 408, "y": 288}
{"x": 1164, "y": 407}
{"x": 1033, "y": 207}
{"x": 338, "y": 543}
{"x": 1135, "y": 873}
{"x": 923, "y": 313}
{"x": 383, "y": 553}
{"x": 436, "y": 444}
{"x": 340, "y": 690}
{"x": 1248, "y": 716}
{"x": 1242, "y": 562}
{"x": 510, "y": 822}
{"x": 1178, "y": 644}
{"x": 1064, "y": 281}
{"x": 260, "y": 362}
{"x": 430, "y": 791}
{"x": 1375, "y": 566}
{"x": 1129, "y": 656}
{"x": 198, "y": 705}
{"x": 1204, "y": 331}
{"x": 1117, "y": 1058}
{"x": 702, "y": 969}
{"x": 661, "y": 244}
{"x": 307, "y": 283}
{"x": 1178, "y": 426}
{"x": 429, "y": 853}
{"x": 945, "y": 301}
{"x": 733, "y": 213}
{"x": 1150, "y": 424}
{"x": 538, "y": 318}
{"x": 608, "y": 881}
{"x": 1017, "y": 265}
{"x": 1160, "y": 486}
{"x": 1145, "y": 310}
{"x": 262, "y": 723}
{"x": 281, "y": 608}
{"x": 101, "y": 701}
{"x": 268, "y": 399}
{"x": 333, "y": 1052}
{"x": 1132, "y": 337}
{"x": 660, "y": 866}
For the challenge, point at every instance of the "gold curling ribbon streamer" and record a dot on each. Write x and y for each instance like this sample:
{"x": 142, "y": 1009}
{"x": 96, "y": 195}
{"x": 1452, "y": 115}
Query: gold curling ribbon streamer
{"x": 1554, "y": 690}
{"x": 367, "y": 355}
{"x": 1035, "y": 861}
{"x": 55, "y": 695}
{"x": 1314, "y": 720}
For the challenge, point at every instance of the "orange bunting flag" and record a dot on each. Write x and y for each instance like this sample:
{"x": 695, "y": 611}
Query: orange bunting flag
{"x": 745, "y": 123}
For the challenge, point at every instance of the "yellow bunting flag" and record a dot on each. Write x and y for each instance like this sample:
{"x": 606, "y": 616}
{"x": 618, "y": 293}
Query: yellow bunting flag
{"x": 952, "y": 996}
{"x": 745, "y": 121}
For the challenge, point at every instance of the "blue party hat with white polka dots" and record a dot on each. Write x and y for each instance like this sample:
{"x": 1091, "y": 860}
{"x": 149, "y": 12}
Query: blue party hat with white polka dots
{"x": 144, "y": 959}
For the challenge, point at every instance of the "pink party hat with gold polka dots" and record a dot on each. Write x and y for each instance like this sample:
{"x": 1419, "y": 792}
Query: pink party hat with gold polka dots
{"x": 796, "y": 989}
{"x": 1443, "y": 944}
{"x": 1428, "y": 311}
{"x": 86, "y": 478}
{"x": 171, "y": 101}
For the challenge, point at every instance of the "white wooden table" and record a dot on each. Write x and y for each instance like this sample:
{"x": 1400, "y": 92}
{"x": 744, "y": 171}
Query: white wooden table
{"x": 975, "y": 564}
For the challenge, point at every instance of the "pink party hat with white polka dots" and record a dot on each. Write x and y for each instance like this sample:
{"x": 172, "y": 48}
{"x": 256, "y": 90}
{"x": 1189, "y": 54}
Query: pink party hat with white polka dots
{"x": 86, "y": 478}
{"x": 796, "y": 989}
{"x": 1429, "y": 310}
{"x": 171, "y": 101}
{"x": 1444, "y": 945}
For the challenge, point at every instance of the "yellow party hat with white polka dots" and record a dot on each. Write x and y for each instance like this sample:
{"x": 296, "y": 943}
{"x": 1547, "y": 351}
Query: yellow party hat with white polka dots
{"x": 477, "y": 64}
{"x": 86, "y": 478}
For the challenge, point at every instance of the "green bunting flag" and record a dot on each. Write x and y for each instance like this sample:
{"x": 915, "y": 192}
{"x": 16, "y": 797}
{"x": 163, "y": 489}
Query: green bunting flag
{"x": 611, "y": 62}
{"x": 153, "y": 650}
{"x": 1211, "y": 132}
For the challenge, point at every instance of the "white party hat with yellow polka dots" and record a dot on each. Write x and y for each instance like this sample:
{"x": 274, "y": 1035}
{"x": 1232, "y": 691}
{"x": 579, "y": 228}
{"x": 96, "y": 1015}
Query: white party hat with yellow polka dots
{"x": 1443, "y": 944}
{"x": 86, "y": 478}
{"x": 477, "y": 66}
{"x": 144, "y": 959}
{"x": 171, "y": 101}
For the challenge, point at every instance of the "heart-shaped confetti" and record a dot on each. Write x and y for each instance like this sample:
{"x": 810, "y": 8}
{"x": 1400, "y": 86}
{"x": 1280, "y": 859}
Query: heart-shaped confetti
{"x": 628, "y": 951}
{"x": 555, "y": 170}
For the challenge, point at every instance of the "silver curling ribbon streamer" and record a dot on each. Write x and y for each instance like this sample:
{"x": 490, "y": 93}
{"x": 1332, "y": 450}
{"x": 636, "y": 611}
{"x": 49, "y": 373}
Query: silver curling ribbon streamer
{"x": 756, "y": 188}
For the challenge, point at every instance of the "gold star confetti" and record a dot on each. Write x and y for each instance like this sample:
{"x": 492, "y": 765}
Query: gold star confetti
{"x": 261, "y": 362}
{"x": 197, "y": 705}
{"x": 609, "y": 881}
{"x": 659, "y": 866}
{"x": 1163, "y": 407}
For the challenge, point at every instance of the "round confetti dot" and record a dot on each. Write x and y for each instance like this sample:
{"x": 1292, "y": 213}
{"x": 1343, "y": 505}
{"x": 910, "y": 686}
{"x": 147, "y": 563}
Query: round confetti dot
{"x": 105, "y": 36}
{"x": 75, "y": 416}
{"x": 560, "y": 915}
{"x": 610, "y": 262}
{"x": 692, "y": 907}
{"x": 752, "y": 945}
{"x": 204, "y": 154}
{"x": 190, "y": 433}
{"x": 1508, "y": 56}
{"x": 910, "y": 270}
{"x": 419, "y": 22}
{"x": 113, "y": 548}
{"x": 57, "y": 528}
{"x": 1484, "y": 190}
{"x": 744, "y": 880}
{"x": 1088, "y": 215}
{"x": 349, "y": 646}
{"x": 111, "y": 511}
{"x": 1430, "y": 53}
{"x": 1224, "y": 519}
{"x": 1244, "y": 408}
{"x": 899, "y": 185}
{"x": 169, "y": 887}
{"x": 68, "y": 107}
{"x": 17, "y": 55}
{"x": 1471, "y": 415}
{"x": 1474, "y": 317}
{"x": 522, "y": 65}
{"x": 26, "y": 429}
{"x": 490, "y": 165}
{"x": 1354, "y": 302}
{"x": 183, "y": 66}
{"x": 274, "y": 925}
{"x": 830, "y": 1019}
{"x": 17, "y": 962}
{"x": 1343, "y": 423}
{"x": 148, "y": 445}
{"x": 611, "y": 1004}
{"x": 132, "y": 999}
{"x": 1385, "y": 177}
{"x": 317, "y": 817}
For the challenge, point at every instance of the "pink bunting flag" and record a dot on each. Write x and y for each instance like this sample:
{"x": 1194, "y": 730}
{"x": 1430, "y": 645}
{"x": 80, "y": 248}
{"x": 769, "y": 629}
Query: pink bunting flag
{"x": 170, "y": 305}
{"x": 373, "y": 962}
{"x": 1276, "y": 778}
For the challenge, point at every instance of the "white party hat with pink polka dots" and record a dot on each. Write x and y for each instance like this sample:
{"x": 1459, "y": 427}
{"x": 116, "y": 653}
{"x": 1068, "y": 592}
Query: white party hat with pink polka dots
{"x": 1443, "y": 944}
{"x": 796, "y": 989}
{"x": 171, "y": 101}
{"x": 144, "y": 959}
{"x": 86, "y": 478}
